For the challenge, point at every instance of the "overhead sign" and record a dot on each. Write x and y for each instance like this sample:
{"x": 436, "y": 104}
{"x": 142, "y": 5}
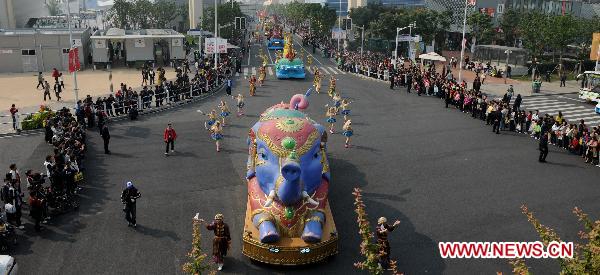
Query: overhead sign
{"x": 405, "y": 38}
{"x": 194, "y": 32}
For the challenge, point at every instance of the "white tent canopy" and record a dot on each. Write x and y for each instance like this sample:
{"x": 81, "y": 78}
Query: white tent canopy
{"x": 432, "y": 56}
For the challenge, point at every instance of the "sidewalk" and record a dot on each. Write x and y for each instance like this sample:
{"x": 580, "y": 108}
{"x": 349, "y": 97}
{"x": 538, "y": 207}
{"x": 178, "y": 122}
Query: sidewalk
{"x": 19, "y": 89}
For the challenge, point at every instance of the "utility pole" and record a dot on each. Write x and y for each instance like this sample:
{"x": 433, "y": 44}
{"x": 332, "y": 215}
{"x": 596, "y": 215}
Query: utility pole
{"x": 340, "y": 26}
{"x": 463, "y": 42}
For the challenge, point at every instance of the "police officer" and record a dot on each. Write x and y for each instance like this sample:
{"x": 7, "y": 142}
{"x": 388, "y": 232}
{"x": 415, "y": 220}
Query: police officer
{"x": 105, "y": 137}
{"x": 129, "y": 197}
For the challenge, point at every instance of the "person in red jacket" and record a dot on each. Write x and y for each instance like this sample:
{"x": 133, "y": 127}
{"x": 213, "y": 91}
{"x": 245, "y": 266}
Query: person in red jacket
{"x": 170, "y": 136}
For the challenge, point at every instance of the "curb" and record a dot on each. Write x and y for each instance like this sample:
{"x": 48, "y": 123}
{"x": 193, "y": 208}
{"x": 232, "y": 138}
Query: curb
{"x": 219, "y": 89}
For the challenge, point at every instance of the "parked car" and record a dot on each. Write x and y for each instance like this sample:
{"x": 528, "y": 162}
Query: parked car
{"x": 8, "y": 265}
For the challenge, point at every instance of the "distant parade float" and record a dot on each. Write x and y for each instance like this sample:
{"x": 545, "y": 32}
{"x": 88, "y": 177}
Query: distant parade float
{"x": 288, "y": 218}
{"x": 275, "y": 41}
{"x": 289, "y": 66}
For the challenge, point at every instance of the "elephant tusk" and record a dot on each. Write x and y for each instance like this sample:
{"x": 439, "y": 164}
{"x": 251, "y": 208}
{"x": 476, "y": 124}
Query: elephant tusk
{"x": 309, "y": 199}
{"x": 270, "y": 198}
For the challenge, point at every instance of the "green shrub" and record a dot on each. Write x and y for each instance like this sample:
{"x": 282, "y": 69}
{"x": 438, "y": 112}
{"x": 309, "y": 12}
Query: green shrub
{"x": 36, "y": 120}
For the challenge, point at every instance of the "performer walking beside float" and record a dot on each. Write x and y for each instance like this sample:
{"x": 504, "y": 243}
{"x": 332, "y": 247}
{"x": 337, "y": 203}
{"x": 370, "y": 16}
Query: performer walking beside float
{"x": 331, "y": 90}
{"x": 330, "y": 114}
{"x": 347, "y": 132}
{"x": 317, "y": 81}
{"x": 345, "y": 105}
{"x": 212, "y": 117}
{"x": 240, "y": 104}
{"x": 221, "y": 240}
{"x": 382, "y": 231}
{"x": 262, "y": 74}
{"x": 224, "y": 111}
{"x": 252, "y": 85}
{"x": 216, "y": 133}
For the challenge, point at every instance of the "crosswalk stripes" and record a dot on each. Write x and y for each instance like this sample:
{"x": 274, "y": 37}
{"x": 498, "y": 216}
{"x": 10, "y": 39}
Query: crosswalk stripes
{"x": 270, "y": 70}
{"x": 571, "y": 111}
{"x": 253, "y": 70}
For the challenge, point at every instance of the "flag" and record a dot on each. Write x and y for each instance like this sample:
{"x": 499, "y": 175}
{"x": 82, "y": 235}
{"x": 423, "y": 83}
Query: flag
{"x": 74, "y": 64}
{"x": 464, "y": 43}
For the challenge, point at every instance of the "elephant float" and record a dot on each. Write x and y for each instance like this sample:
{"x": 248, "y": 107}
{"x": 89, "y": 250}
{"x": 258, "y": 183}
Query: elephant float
{"x": 288, "y": 219}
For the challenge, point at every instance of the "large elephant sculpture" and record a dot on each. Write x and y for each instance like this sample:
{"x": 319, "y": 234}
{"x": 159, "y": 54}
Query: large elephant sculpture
{"x": 288, "y": 174}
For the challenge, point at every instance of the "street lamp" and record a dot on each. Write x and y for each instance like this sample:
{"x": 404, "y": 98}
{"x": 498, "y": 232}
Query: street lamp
{"x": 410, "y": 26}
{"x": 362, "y": 39}
{"x": 464, "y": 42}
{"x": 507, "y": 52}
{"x": 216, "y": 38}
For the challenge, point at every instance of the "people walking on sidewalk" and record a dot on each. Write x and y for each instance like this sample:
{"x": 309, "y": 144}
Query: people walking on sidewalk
{"x": 13, "y": 114}
{"x": 40, "y": 79}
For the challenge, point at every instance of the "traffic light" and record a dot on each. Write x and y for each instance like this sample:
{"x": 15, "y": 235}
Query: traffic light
{"x": 347, "y": 24}
{"x": 240, "y": 23}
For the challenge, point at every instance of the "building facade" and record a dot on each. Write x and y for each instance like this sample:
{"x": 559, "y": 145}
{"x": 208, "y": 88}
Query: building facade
{"x": 29, "y": 50}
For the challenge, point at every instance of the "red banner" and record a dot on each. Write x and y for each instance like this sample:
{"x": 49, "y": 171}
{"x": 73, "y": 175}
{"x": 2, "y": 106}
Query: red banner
{"x": 74, "y": 64}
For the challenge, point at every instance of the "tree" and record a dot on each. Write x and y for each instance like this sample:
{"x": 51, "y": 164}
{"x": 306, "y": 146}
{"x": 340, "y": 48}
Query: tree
{"x": 561, "y": 31}
{"x": 586, "y": 257}
{"x": 225, "y": 17}
{"x": 163, "y": 12}
{"x": 53, "y": 7}
{"x": 531, "y": 30}
{"x": 197, "y": 258}
{"x": 118, "y": 14}
{"x": 509, "y": 24}
{"x": 481, "y": 27}
{"x": 362, "y": 16}
{"x": 583, "y": 38}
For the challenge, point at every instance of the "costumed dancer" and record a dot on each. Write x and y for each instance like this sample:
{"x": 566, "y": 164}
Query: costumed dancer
{"x": 345, "y": 105}
{"x": 337, "y": 101}
{"x": 262, "y": 74}
{"x": 216, "y": 133}
{"x": 308, "y": 62}
{"x": 224, "y": 111}
{"x": 240, "y": 104}
{"x": 331, "y": 86}
{"x": 212, "y": 118}
{"x": 347, "y": 132}
{"x": 221, "y": 241}
{"x": 252, "y": 85}
{"x": 317, "y": 81}
{"x": 330, "y": 114}
{"x": 382, "y": 230}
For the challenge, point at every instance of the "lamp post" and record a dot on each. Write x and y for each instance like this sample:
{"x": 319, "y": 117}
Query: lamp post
{"x": 75, "y": 89}
{"x": 362, "y": 39}
{"x": 216, "y": 38}
{"x": 340, "y": 26}
{"x": 410, "y": 26}
{"x": 507, "y": 52}
{"x": 463, "y": 41}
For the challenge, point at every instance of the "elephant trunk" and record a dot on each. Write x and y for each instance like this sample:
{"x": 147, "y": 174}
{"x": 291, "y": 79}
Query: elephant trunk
{"x": 290, "y": 189}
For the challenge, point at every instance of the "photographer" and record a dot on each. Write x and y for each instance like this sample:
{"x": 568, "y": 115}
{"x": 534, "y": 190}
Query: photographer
{"x": 129, "y": 197}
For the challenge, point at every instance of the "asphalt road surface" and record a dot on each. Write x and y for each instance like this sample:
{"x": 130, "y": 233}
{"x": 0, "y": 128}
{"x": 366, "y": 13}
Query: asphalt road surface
{"x": 445, "y": 176}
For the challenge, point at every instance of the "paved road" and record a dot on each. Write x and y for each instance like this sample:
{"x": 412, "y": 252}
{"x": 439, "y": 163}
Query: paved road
{"x": 443, "y": 174}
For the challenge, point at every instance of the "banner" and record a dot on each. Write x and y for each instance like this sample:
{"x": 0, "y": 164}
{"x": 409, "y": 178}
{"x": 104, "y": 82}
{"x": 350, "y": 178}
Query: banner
{"x": 595, "y": 53}
{"x": 337, "y": 33}
{"x": 74, "y": 64}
